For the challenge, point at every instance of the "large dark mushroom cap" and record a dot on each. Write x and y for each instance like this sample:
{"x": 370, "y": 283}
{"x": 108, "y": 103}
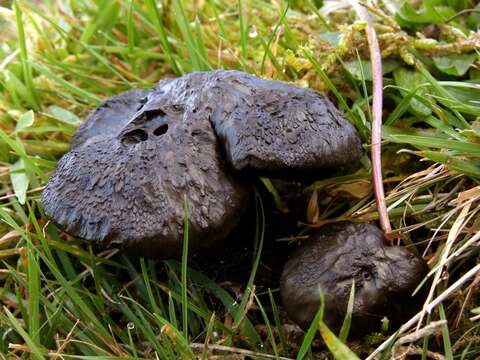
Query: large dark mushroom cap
{"x": 138, "y": 154}
{"x": 270, "y": 127}
{"x": 128, "y": 189}
{"x": 385, "y": 277}
{"x": 276, "y": 128}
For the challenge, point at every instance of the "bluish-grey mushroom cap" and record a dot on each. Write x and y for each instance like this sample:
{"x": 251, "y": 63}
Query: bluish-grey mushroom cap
{"x": 124, "y": 181}
{"x": 339, "y": 255}
{"x": 140, "y": 153}
{"x": 279, "y": 129}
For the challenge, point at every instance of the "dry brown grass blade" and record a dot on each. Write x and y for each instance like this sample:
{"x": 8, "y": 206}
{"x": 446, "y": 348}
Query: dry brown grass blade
{"x": 438, "y": 300}
{"x": 465, "y": 204}
{"x": 452, "y": 236}
{"x": 400, "y": 351}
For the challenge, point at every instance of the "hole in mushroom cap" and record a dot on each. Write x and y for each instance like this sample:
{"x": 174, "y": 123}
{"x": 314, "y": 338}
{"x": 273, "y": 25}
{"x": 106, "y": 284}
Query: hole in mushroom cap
{"x": 134, "y": 136}
{"x": 153, "y": 113}
{"x": 366, "y": 276}
{"x": 142, "y": 102}
{"x": 160, "y": 130}
{"x": 196, "y": 132}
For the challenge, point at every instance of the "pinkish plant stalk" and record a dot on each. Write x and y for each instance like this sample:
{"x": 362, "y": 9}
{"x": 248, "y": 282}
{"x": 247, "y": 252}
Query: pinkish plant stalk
{"x": 376, "y": 62}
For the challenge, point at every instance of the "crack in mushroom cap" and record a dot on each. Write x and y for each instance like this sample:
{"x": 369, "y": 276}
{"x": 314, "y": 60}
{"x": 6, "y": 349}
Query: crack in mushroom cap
{"x": 127, "y": 190}
{"x": 136, "y": 155}
{"x": 385, "y": 277}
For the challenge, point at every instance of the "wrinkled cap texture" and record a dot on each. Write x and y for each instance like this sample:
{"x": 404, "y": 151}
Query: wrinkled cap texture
{"x": 280, "y": 129}
{"x": 141, "y": 152}
{"x": 124, "y": 185}
{"x": 385, "y": 277}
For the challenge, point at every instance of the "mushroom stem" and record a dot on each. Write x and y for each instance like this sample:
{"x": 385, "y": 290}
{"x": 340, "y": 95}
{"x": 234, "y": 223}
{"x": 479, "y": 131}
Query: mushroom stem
{"x": 376, "y": 62}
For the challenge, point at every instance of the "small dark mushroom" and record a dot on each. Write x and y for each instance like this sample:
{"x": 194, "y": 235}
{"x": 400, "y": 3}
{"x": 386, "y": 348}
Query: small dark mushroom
{"x": 338, "y": 254}
{"x": 136, "y": 156}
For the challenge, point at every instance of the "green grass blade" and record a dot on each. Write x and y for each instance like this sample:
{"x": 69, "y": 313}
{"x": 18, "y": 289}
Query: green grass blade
{"x": 91, "y": 98}
{"x": 103, "y": 14}
{"x": 271, "y": 37}
{"x": 312, "y": 330}
{"x": 259, "y": 235}
{"x": 148, "y": 287}
{"x": 185, "y": 267}
{"x": 443, "y": 92}
{"x": 172, "y": 315}
{"x": 190, "y": 43}
{"x": 36, "y": 352}
{"x": 201, "y": 46}
{"x": 429, "y": 141}
{"x": 447, "y": 344}
{"x": 242, "y": 30}
{"x": 141, "y": 324}
{"x": 348, "y": 315}
{"x": 278, "y": 324}
{"x": 425, "y": 342}
{"x": 33, "y": 278}
{"x": 364, "y": 87}
{"x": 271, "y": 337}
{"x": 402, "y": 106}
{"x": 166, "y": 47}
{"x": 208, "y": 336}
{"x": 462, "y": 166}
{"x": 131, "y": 29}
{"x": 76, "y": 298}
{"x": 26, "y": 68}
{"x": 339, "y": 350}
{"x": 17, "y": 90}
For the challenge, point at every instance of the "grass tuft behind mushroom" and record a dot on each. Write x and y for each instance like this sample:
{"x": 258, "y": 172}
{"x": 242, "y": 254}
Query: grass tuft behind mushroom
{"x": 59, "y": 60}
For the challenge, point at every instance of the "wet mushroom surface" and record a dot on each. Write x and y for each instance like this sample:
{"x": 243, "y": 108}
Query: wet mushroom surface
{"x": 141, "y": 153}
{"x": 336, "y": 255}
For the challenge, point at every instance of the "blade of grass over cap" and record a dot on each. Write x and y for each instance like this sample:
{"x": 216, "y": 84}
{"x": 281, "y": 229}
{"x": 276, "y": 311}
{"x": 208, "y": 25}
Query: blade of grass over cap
{"x": 348, "y": 315}
{"x": 185, "y": 267}
{"x": 339, "y": 350}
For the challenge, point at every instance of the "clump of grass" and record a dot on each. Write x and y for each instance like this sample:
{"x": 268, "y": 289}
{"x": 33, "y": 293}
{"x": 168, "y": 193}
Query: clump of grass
{"x": 58, "y": 60}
